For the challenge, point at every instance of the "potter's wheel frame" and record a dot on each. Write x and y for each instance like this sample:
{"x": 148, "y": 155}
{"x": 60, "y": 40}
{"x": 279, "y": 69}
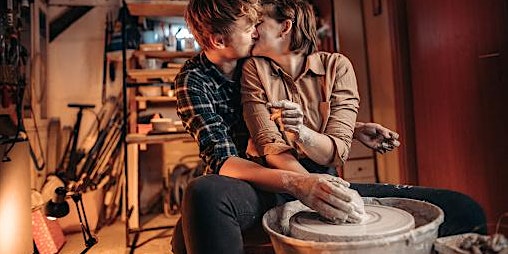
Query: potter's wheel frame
{"x": 381, "y": 221}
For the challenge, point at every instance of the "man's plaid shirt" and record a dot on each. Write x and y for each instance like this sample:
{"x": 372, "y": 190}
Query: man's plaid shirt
{"x": 209, "y": 107}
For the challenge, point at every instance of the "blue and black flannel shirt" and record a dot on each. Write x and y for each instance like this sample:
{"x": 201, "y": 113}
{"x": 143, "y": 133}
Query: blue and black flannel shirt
{"x": 209, "y": 106}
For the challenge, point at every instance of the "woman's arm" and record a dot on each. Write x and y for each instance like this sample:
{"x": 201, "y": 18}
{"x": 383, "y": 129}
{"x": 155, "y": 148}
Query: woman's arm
{"x": 332, "y": 146}
{"x": 268, "y": 139}
{"x": 317, "y": 146}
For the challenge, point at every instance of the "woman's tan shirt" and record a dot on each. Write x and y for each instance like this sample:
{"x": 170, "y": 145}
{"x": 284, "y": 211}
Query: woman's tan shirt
{"x": 326, "y": 91}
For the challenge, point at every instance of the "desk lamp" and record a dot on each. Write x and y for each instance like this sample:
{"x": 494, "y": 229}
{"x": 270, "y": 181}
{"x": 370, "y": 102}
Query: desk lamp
{"x": 57, "y": 207}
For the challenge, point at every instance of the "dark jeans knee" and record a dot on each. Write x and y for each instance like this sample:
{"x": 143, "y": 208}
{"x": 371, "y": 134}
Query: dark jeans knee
{"x": 462, "y": 215}
{"x": 177, "y": 241}
{"x": 199, "y": 197}
{"x": 213, "y": 195}
{"x": 216, "y": 210}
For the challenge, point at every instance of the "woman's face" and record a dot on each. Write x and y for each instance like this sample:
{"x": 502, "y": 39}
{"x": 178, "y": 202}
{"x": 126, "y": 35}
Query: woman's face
{"x": 269, "y": 42}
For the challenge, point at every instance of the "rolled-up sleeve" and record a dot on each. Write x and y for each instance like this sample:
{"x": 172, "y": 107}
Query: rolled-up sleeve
{"x": 344, "y": 103}
{"x": 264, "y": 132}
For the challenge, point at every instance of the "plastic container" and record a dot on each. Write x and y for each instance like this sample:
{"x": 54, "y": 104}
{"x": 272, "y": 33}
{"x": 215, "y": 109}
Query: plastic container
{"x": 420, "y": 240}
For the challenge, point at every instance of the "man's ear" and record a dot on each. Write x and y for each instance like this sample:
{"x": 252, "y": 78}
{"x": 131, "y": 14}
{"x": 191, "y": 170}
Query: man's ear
{"x": 287, "y": 25}
{"x": 218, "y": 41}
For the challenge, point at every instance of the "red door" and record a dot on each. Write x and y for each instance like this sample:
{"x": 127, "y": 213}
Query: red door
{"x": 458, "y": 55}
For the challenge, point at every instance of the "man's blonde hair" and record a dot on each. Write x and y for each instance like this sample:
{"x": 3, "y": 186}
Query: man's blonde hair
{"x": 208, "y": 17}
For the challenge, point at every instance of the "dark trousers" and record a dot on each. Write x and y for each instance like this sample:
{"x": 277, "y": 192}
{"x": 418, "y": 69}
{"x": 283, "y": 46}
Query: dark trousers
{"x": 216, "y": 211}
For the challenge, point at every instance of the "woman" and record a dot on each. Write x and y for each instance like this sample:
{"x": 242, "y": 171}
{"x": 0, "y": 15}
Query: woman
{"x": 313, "y": 95}
{"x": 300, "y": 107}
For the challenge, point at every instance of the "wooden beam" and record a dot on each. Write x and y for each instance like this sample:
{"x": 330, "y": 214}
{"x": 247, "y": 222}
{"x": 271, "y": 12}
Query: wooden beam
{"x": 64, "y": 21}
{"x": 156, "y": 7}
{"x": 84, "y": 2}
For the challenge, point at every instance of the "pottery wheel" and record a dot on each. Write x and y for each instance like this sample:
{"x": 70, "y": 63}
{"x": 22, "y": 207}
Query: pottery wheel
{"x": 380, "y": 221}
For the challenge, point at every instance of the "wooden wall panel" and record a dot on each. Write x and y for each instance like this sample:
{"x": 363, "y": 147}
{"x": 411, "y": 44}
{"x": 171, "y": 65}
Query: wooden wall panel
{"x": 382, "y": 84}
{"x": 460, "y": 91}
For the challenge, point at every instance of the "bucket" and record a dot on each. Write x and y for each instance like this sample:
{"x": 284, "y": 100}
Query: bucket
{"x": 427, "y": 217}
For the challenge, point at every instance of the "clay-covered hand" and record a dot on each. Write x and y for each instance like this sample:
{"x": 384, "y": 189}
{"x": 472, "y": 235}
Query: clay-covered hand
{"x": 358, "y": 206}
{"x": 328, "y": 195}
{"x": 376, "y": 136}
{"x": 289, "y": 116}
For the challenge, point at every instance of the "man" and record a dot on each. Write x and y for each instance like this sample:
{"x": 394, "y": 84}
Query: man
{"x": 209, "y": 105}
{"x": 236, "y": 192}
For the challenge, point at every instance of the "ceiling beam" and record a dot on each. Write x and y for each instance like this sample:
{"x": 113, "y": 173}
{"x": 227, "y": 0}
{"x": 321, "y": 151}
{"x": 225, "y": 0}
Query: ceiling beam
{"x": 66, "y": 19}
{"x": 85, "y": 2}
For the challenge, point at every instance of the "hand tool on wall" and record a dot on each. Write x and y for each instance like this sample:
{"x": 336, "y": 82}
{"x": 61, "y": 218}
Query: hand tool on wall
{"x": 107, "y": 32}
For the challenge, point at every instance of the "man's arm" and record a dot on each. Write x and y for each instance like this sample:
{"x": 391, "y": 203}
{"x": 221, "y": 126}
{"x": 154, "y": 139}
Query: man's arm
{"x": 328, "y": 195}
{"x": 376, "y": 136}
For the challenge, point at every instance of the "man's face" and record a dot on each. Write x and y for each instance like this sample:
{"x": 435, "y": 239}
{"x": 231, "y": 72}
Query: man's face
{"x": 242, "y": 39}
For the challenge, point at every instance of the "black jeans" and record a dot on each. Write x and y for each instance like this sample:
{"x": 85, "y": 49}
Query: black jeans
{"x": 217, "y": 209}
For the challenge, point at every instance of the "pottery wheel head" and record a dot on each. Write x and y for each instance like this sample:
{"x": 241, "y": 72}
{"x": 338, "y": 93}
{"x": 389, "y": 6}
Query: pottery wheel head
{"x": 380, "y": 221}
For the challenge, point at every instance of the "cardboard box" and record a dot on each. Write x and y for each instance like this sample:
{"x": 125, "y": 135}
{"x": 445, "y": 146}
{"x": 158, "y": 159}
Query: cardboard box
{"x": 47, "y": 234}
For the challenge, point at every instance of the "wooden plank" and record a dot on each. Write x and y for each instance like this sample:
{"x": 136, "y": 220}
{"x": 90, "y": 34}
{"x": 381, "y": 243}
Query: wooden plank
{"x": 155, "y": 99}
{"x": 53, "y": 145}
{"x": 66, "y": 19}
{"x": 156, "y": 8}
{"x": 133, "y": 116}
{"x": 133, "y": 192}
{"x": 83, "y": 2}
{"x": 165, "y": 54}
{"x": 145, "y": 75}
{"x": 136, "y": 138}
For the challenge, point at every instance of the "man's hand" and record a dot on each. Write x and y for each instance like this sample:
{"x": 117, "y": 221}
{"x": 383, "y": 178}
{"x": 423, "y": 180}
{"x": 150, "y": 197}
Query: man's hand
{"x": 329, "y": 196}
{"x": 376, "y": 136}
{"x": 358, "y": 204}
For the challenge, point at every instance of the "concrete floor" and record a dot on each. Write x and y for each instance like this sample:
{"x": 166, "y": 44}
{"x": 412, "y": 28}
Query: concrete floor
{"x": 111, "y": 239}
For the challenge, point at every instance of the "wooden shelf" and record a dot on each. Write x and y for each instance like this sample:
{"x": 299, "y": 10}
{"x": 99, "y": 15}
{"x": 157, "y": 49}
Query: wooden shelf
{"x": 164, "y": 54}
{"x": 146, "y": 75}
{"x": 137, "y": 138}
{"x": 156, "y": 7}
{"x": 135, "y": 77}
{"x": 155, "y": 98}
{"x": 143, "y": 100}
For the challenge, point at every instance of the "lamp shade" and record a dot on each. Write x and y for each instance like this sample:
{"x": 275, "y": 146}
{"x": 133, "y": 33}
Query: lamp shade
{"x": 57, "y": 207}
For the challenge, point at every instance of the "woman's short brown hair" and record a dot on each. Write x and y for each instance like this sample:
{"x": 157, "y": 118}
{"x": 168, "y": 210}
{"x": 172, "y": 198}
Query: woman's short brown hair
{"x": 208, "y": 17}
{"x": 301, "y": 13}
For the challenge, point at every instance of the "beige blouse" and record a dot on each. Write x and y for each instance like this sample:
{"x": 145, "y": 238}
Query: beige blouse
{"x": 326, "y": 91}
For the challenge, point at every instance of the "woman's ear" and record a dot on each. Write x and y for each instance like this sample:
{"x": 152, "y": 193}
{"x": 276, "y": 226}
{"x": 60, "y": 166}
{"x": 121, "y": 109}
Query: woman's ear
{"x": 287, "y": 25}
{"x": 218, "y": 41}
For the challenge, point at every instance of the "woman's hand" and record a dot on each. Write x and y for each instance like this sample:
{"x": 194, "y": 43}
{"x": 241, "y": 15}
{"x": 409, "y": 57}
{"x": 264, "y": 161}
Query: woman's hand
{"x": 288, "y": 115}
